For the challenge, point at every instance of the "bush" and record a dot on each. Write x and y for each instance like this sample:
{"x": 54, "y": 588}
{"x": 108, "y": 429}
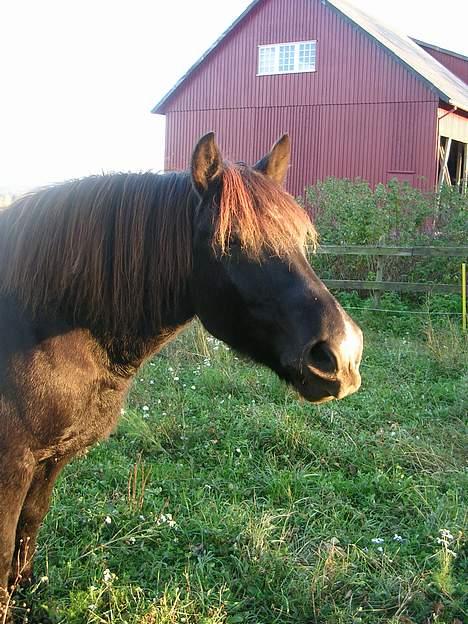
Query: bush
{"x": 352, "y": 213}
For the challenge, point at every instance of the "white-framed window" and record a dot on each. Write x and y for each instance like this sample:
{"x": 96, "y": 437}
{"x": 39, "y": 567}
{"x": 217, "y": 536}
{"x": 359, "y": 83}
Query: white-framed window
{"x": 286, "y": 58}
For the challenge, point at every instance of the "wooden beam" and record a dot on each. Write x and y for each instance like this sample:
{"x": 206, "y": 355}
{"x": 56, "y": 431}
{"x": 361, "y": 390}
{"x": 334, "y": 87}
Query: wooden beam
{"x": 444, "y": 169}
{"x": 465, "y": 168}
{"x": 374, "y": 250}
{"x": 447, "y": 178}
{"x": 391, "y": 286}
{"x": 458, "y": 172}
{"x": 441, "y": 155}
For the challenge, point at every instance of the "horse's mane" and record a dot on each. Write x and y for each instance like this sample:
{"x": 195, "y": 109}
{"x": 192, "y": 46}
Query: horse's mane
{"x": 260, "y": 214}
{"x": 116, "y": 250}
{"x": 104, "y": 248}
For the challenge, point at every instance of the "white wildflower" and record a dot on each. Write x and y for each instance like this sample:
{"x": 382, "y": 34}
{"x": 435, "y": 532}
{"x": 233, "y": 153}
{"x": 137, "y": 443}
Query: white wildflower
{"x": 108, "y": 520}
{"x": 377, "y": 540}
{"x": 166, "y": 519}
{"x": 107, "y": 575}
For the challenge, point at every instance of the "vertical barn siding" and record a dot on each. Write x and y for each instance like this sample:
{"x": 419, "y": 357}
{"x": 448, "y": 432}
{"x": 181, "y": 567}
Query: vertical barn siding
{"x": 361, "y": 114}
{"x": 455, "y": 64}
{"x": 375, "y": 142}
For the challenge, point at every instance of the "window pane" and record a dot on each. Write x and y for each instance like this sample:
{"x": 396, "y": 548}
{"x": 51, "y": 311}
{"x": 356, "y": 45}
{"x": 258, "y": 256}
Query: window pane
{"x": 266, "y": 60}
{"x": 286, "y": 58}
{"x": 307, "y": 56}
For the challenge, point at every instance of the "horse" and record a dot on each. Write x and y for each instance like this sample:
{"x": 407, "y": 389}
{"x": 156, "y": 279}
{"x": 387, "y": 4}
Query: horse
{"x": 97, "y": 274}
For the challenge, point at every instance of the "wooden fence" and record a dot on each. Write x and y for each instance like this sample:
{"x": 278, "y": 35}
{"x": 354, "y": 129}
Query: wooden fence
{"x": 379, "y": 284}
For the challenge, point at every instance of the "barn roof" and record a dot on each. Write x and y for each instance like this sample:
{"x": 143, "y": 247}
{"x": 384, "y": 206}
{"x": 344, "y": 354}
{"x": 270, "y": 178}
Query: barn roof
{"x": 449, "y": 87}
{"x": 425, "y": 44}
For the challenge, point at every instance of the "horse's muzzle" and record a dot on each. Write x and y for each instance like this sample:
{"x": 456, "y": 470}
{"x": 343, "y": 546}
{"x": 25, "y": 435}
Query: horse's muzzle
{"x": 330, "y": 369}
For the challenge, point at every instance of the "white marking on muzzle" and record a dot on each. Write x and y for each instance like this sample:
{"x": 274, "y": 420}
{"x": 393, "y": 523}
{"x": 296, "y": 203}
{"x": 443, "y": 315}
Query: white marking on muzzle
{"x": 350, "y": 347}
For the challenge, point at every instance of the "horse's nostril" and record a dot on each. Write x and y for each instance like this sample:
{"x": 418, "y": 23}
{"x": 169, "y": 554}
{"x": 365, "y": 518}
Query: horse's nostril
{"x": 322, "y": 358}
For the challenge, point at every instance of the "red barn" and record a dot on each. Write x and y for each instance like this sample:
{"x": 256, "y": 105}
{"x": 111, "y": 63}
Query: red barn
{"x": 358, "y": 99}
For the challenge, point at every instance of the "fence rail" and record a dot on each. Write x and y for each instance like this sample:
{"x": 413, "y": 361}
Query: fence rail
{"x": 381, "y": 251}
{"x": 392, "y": 286}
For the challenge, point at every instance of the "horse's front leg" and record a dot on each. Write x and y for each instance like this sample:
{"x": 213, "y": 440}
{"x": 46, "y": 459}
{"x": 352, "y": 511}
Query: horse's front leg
{"x": 16, "y": 473}
{"x": 34, "y": 509}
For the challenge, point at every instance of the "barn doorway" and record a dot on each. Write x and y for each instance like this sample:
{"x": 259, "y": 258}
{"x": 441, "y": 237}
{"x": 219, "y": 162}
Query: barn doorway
{"x": 453, "y": 163}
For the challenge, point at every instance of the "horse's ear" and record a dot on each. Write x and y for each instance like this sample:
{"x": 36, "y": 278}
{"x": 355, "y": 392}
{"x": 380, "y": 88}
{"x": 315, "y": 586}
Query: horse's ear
{"x": 275, "y": 164}
{"x": 206, "y": 163}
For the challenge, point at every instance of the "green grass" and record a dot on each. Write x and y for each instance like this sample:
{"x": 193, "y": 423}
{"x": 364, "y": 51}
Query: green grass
{"x": 223, "y": 498}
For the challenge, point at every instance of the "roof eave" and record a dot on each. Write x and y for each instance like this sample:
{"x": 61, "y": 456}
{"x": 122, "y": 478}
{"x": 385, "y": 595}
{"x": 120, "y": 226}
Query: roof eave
{"x": 457, "y": 104}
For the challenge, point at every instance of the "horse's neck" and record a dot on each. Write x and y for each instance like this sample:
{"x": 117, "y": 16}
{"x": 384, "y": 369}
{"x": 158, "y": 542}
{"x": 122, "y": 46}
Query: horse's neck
{"x": 126, "y": 355}
{"x": 127, "y": 352}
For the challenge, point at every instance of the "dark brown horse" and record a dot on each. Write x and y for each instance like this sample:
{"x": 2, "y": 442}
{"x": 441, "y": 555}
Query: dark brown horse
{"x": 97, "y": 274}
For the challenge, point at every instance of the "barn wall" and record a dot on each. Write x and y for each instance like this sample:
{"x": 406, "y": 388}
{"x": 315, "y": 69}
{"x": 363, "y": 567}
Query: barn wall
{"x": 404, "y": 147}
{"x": 455, "y": 64}
{"x": 361, "y": 113}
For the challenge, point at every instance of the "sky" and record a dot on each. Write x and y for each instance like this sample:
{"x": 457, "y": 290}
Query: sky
{"x": 79, "y": 78}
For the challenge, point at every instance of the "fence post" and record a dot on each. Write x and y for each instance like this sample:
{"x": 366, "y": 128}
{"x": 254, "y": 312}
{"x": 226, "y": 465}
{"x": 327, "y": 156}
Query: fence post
{"x": 379, "y": 278}
{"x": 379, "y": 273}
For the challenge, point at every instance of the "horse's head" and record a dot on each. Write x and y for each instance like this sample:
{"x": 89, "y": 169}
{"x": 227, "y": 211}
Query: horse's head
{"x": 252, "y": 284}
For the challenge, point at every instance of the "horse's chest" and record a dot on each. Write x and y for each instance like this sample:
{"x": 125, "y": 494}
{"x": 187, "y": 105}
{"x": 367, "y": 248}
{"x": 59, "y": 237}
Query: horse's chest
{"x": 88, "y": 416}
{"x": 68, "y": 399}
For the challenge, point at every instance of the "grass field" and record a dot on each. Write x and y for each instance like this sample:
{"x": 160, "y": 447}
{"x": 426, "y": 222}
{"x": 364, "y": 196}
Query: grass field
{"x": 223, "y": 498}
